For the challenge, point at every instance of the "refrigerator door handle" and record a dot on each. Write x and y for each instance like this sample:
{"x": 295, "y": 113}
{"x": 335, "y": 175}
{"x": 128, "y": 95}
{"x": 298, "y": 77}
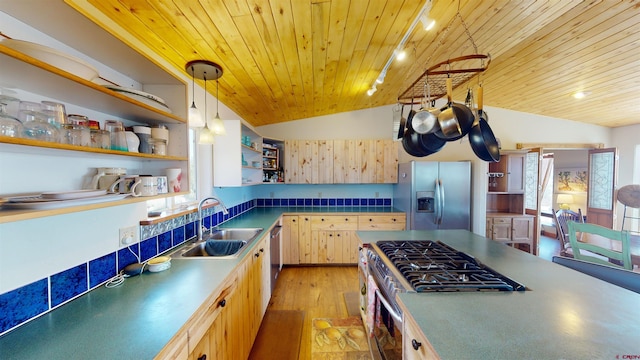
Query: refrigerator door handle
{"x": 438, "y": 200}
{"x": 441, "y": 201}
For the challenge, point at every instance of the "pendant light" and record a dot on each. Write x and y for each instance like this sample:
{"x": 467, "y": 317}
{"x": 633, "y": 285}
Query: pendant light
{"x": 217, "y": 126}
{"x": 195, "y": 118}
{"x": 205, "y": 70}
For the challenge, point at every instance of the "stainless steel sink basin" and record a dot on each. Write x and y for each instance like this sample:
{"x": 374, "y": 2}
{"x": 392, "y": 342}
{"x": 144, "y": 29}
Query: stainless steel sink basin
{"x": 223, "y": 243}
{"x": 233, "y": 234}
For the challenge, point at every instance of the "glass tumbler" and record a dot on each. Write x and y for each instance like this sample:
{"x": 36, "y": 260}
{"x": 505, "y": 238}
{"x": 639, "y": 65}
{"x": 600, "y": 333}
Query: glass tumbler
{"x": 74, "y": 134}
{"x": 9, "y": 125}
{"x": 117, "y": 135}
{"x": 35, "y": 123}
{"x": 100, "y": 139}
{"x": 56, "y": 112}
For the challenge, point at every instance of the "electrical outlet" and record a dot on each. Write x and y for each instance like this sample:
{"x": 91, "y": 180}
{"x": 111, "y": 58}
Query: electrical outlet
{"x": 128, "y": 235}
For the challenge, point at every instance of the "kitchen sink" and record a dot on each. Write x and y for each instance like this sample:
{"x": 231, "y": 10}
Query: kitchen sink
{"x": 222, "y": 243}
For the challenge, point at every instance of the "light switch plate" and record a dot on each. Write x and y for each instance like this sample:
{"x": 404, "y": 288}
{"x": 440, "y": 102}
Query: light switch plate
{"x": 128, "y": 235}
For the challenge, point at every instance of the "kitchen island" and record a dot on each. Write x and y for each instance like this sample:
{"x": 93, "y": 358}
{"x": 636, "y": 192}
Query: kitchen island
{"x": 563, "y": 314}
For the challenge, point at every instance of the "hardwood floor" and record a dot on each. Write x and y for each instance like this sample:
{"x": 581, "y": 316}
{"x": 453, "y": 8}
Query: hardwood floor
{"x": 548, "y": 248}
{"x": 316, "y": 290}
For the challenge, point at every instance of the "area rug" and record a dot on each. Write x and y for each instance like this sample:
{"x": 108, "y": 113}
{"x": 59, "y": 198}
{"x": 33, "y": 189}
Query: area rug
{"x": 282, "y": 327}
{"x": 339, "y": 339}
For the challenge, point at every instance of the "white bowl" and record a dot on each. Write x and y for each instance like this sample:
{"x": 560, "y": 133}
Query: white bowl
{"x": 158, "y": 264}
{"x": 53, "y": 57}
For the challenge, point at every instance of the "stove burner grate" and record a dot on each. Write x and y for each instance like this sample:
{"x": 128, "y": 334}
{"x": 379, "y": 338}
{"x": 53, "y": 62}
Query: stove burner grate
{"x": 431, "y": 266}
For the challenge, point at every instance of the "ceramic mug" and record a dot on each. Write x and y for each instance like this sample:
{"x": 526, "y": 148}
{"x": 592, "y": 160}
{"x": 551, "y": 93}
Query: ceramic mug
{"x": 148, "y": 186}
{"x": 106, "y": 176}
{"x": 174, "y": 177}
{"x": 161, "y": 184}
{"x": 126, "y": 185}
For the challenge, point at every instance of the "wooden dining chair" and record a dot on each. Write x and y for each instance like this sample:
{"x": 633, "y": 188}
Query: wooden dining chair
{"x": 561, "y": 217}
{"x": 600, "y": 245}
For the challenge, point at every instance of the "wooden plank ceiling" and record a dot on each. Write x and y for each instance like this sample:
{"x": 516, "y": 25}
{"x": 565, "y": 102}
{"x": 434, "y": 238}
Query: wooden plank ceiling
{"x": 285, "y": 60}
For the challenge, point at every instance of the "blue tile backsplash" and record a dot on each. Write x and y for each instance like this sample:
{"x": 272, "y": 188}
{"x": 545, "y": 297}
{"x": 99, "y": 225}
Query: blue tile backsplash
{"x": 27, "y": 302}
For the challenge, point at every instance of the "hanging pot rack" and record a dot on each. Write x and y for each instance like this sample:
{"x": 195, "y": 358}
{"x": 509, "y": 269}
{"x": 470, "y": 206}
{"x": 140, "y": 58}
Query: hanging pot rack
{"x": 459, "y": 69}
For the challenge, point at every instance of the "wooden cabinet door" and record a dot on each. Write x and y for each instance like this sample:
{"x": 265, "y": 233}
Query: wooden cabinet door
{"x": 501, "y": 229}
{"x": 415, "y": 345}
{"x": 369, "y": 161}
{"x": 291, "y": 170}
{"x": 202, "y": 350}
{"x": 489, "y": 229}
{"x": 386, "y": 162}
{"x": 290, "y": 240}
{"x": 304, "y": 239}
{"x": 522, "y": 229}
{"x": 515, "y": 173}
{"x": 325, "y": 162}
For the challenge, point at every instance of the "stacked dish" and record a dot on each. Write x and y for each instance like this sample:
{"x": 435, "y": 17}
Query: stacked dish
{"x": 141, "y": 96}
{"x": 53, "y": 57}
{"x": 55, "y": 200}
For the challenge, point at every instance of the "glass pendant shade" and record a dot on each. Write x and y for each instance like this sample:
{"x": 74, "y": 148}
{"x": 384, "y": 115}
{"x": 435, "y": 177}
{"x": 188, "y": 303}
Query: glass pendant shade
{"x": 195, "y": 118}
{"x": 217, "y": 126}
{"x": 206, "y": 136}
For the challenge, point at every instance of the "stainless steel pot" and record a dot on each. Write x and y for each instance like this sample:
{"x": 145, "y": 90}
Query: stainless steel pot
{"x": 455, "y": 119}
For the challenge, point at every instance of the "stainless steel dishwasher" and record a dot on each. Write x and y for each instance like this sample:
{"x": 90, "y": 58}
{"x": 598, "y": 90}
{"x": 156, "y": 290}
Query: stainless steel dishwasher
{"x": 275, "y": 255}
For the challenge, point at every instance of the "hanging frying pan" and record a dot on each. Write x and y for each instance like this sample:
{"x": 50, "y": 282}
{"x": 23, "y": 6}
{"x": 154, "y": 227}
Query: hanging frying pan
{"x": 403, "y": 122}
{"x": 481, "y": 138}
{"x": 421, "y": 145}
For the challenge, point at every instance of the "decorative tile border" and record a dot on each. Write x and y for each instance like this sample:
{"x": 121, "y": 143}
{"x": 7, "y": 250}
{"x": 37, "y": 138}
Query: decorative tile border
{"x": 30, "y": 301}
{"x": 324, "y": 202}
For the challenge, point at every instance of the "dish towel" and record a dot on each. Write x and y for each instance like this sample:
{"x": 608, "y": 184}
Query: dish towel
{"x": 371, "y": 304}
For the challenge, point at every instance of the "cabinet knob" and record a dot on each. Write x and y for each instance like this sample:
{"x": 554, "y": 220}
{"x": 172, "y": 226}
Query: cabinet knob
{"x": 338, "y": 235}
{"x": 293, "y": 220}
{"x": 262, "y": 250}
{"x": 256, "y": 254}
{"x": 346, "y": 219}
{"x": 203, "y": 357}
{"x": 330, "y": 235}
{"x": 322, "y": 219}
{"x": 370, "y": 219}
{"x": 223, "y": 303}
{"x": 415, "y": 344}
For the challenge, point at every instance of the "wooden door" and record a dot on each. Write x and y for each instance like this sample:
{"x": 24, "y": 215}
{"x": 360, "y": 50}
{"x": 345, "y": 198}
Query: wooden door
{"x": 532, "y": 193}
{"x": 602, "y": 180}
{"x": 386, "y": 162}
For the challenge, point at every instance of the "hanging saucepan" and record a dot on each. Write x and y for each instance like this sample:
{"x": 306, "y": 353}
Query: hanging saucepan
{"x": 455, "y": 119}
{"x": 481, "y": 138}
{"x": 425, "y": 121}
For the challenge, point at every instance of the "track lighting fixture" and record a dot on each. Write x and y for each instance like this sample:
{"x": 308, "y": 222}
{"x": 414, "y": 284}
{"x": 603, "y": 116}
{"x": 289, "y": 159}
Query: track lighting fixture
{"x": 399, "y": 52}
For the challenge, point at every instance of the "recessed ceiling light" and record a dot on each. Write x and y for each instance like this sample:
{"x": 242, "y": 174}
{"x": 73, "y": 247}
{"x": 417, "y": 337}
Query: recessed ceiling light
{"x": 581, "y": 94}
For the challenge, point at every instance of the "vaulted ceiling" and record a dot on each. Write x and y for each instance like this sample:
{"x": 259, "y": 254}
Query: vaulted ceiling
{"x": 291, "y": 59}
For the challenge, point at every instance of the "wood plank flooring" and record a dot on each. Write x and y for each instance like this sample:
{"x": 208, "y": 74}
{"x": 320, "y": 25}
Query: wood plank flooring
{"x": 316, "y": 290}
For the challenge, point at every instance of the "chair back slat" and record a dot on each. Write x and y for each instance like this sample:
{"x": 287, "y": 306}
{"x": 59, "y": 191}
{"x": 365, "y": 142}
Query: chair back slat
{"x": 599, "y": 240}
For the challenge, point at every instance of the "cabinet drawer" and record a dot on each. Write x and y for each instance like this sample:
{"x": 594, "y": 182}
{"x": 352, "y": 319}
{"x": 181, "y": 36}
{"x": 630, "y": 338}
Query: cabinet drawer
{"x": 502, "y": 220}
{"x": 334, "y": 222}
{"x": 381, "y": 222}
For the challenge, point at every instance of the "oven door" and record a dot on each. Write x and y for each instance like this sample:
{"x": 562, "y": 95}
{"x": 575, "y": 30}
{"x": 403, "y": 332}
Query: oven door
{"x": 387, "y": 330}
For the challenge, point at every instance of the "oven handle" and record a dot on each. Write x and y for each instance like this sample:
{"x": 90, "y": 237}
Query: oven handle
{"x": 390, "y": 309}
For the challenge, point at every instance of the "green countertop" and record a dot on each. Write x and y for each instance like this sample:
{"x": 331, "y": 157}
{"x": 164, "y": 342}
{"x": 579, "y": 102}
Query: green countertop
{"x": 136, "y": 320}
{"x": 564, "y": 315}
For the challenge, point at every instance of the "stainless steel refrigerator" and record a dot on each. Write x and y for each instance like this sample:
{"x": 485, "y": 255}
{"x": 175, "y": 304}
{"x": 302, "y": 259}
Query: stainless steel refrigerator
{"x": 435, "y": 195}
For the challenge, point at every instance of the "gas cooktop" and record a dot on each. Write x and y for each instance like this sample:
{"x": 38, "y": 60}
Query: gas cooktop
{"x": 430, "y": 266}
